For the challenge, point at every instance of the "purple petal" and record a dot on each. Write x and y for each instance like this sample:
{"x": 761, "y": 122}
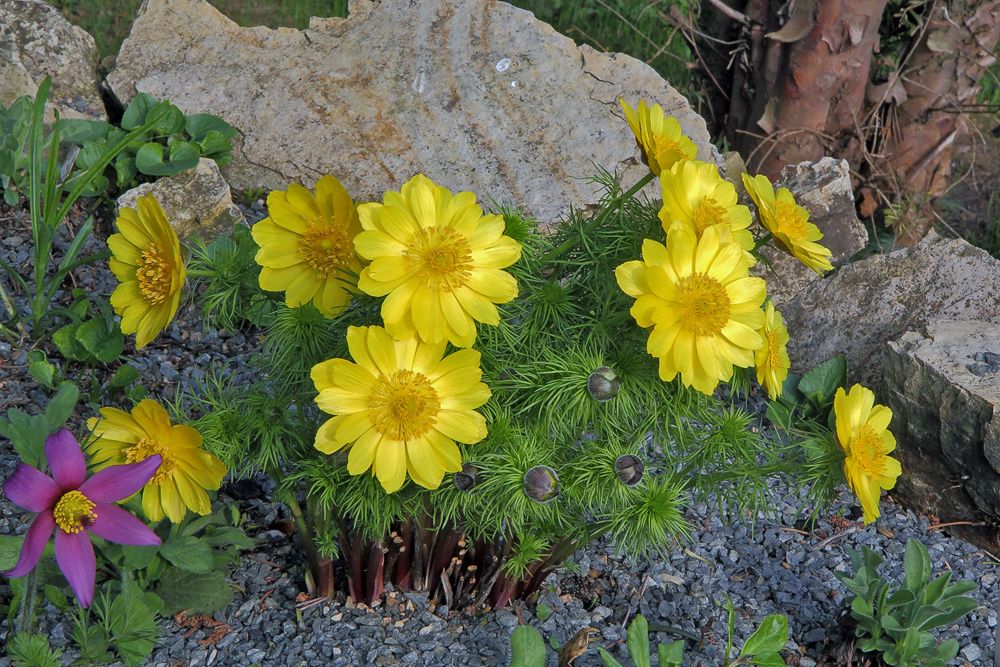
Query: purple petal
{"x": 116, "y": 483}
{"x": 69, "y": 468}
{"x": 116, "y": 525}
{"x": 75, "y": 555}
{"x": 35, "y": 540}
{"x": 31, "y": 489}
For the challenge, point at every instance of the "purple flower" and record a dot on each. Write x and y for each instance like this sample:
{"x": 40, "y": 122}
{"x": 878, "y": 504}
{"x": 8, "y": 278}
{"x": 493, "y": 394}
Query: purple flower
{"x": 71, "y": 504}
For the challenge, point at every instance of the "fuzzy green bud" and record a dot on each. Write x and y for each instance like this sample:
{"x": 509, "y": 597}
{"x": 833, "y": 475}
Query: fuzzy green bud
{"x": 603, "y": 384}
{"x": 541, "y": 484}
{"x": 630, "y": 469}
{"x": 468, "y": 478}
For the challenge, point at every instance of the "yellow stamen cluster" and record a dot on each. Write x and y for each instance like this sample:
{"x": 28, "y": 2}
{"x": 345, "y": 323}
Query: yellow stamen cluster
{"x": 325, "y": 247}
{"x": 790, "y": 220}
{"x": 405, "y": 405}
{"x": 72, "y": 510}
{"x": 145, "y": 448}
{"x": 444, "y": 258}
{"x": 704, "y": 305}
{"x": 869, "y": 451}
{"x": 154, "y": 274}
{"x": 708, "y": 213}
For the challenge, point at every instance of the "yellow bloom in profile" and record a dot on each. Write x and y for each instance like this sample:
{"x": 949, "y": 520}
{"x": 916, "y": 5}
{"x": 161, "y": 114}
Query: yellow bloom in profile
{"x": 789, "y": 223}
{"x": 704, "y": 309}
{"x": 659, "y": 137}
{"x": 146, "y": 260}
{"x": 187, "y": 470}
{"x": 437, "y": 260}
{"x": 695, "y": 195}
{"x": 862, "y": 432}
{"x": 307, "y": 246}
{"x": 772, "y": 359}
{"x": 400, "y": 407}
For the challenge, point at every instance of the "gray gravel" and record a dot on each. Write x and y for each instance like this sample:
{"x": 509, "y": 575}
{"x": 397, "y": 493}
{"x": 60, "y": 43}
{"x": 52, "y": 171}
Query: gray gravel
{"x": 775, "y": 568}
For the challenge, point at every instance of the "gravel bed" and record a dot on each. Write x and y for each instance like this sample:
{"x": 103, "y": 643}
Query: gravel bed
{"x": 776, "y": 567}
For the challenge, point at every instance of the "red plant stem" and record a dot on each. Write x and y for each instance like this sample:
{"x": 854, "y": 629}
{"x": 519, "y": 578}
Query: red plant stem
{"x": 325, "y": 583}
{"x": 404, "y": 573}
{"x": 444, "y": 550}
{"x": 418, "y": 556}
{"x": 356, "y": 582}
{"x": 376, "y": 561}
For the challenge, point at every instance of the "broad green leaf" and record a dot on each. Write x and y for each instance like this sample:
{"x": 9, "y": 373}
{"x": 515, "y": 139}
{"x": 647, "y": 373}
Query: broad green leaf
{"x": 42, "y": 371}
{"x": 89, "y": 155}
{"x": 27, "y": 434}
{"x": 822, "y": 381}
{"x": 526, "y": 648}
{"x": 609, "y": 660}
{"x": 200, "y": 125}
{"x": 171, "y": 119}
{"x": 188, "y": 553}
{"x": 56, "y": 597}
{"x": 671, "y": 654}
{"x": 124, "y": 376}
{"x": 224, "y": 536}
{"x": 217, "y": 147}
{"x": 104, "y": 342}
{"x": 638, "y": 641}
{"x": 67, "y": 344}
{"x": 770, "y": 637}
{"x": 948, "y": 650}
{"x": 125, "y": 168}
{"x": 201, "y": 593}
{"x": 900, "y": 597}
{"x": 78, "y": 131}
{"x": 135, "y": 115}
{"x": 768, "y": 659}
{"x": 61, "y": 406}
{"x": 151, "y": 160}
{"x": 542, "y": 612}
{"x": 139, "y": 556}
{"x": 916, "y": 565}
{"x": 10, "y": 550}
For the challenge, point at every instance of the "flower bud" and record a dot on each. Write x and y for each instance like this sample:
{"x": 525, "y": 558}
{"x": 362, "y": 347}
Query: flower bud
{"x": 603, "y": 384}
{"x": 629, "y": 469}
{"x": 468, "y": 477}
{"x": 541, "y": 484}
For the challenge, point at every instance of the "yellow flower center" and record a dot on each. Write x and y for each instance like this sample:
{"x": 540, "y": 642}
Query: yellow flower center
{"x": 72, "y": 510}
{"x": 405, "y": 405}
{"x": 789, "y": 221}
{"x": 708, "y": 213}
{"x": 773, "y": 350}
{"x": 868, "y": 450}
{"x": 443, "y": 258}
{"x": 154, "y": 274}
{"x": 665, "y": 150}
{"x": 325, "y": 247}
{"x": 145, "y": 448}
{"x": 703, "y": 304}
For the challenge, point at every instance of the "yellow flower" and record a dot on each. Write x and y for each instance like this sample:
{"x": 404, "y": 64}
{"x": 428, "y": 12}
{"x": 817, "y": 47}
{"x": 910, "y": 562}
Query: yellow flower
{"x": 401, "y": 407}
{"x": 695, "y": 195}
{"x": 437, "y": 259}
{"x": 772, "y": 359}
{"x": 863, "y": 435}
{"x": 660, "y": 138}
{"x": 704, "y": 309}
{"x": 306, "y": 246}
{"x": 187, "y": 470}
{"x": 146, "y": 260}
{"x": 789, "y": 223}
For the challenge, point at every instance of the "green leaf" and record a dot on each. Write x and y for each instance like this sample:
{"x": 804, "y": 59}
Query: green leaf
{"x": 202, "y": 593}
{"x": 671, "y": 654}
{"x": 822, "y": 382}
{"x": 137, "y": 557}
{"x": 79, "y": 131}
{"x": 638, "y": 641}
{"x": 42, "y": 371}
{"x": 890, "y": 623}
{"x": 10, "y": 550}
{"x": 770, "y": 637}
{"x": 959, "y": 608}
{"x": 135, "y": 115}
{"x": 200, "y": 125}
{"x": 609, "y": 660}
{"x": 67, "y": 344}
{"x": 27, "y": 433}
{"x": 150, "y": 159}
{"x": 217, "y": 147}
{"x": 125, "y": 168}
{"x": 124, "y": 376}
{"x": 948, "y": 650}
{"x": 554, "y": 643}
{"x": 224, "y": 536}
{"x": 916, "y": 565}
{"x": 171, "y": 119}
{"x": 61, "y": 406}
{"x": 57, "y": 598}
{"x": 103, "y": 342}
{"x": 526, "y": 648}
{"x": 542, "y": 612}
{"x": 900, "y": 597}
{"x": 188, "y": 553}
{"x": 768, "y": 660}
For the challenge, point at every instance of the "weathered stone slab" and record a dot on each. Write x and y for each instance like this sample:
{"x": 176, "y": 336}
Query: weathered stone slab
{"x": 196, "y": 201}
{"x": 824, "y": 189}
{"x": 35, "y": 41}
{"x": 868, "y": 303}
{"x": 476, "y": 94}
{"x": 944, "y": 389}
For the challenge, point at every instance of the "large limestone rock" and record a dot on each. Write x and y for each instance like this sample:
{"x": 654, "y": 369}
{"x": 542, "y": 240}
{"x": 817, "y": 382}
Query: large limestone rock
{"x": 943, "y": 387}
{"x": 196, "y": 202}
{"x": 476, "y": 94}
{"x": 35, "y": 41}
{"x": 824, "y": 189}
{"x": 866, "y": 304}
